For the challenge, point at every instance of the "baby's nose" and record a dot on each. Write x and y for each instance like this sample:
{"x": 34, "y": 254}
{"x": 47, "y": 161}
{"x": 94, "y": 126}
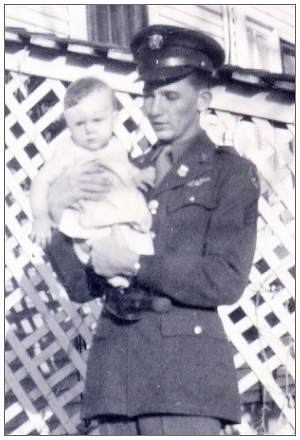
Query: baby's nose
{"x": 89, "y": 127}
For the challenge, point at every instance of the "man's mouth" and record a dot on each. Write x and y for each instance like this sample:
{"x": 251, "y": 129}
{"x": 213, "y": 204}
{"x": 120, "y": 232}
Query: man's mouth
{"x": 159, "y": 124}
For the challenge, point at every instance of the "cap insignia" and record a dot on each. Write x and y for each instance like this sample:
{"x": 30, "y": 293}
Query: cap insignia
{"x": 156, "y": 41}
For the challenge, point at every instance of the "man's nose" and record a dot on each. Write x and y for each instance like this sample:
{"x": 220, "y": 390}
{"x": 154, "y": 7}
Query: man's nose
{"x": 156, "y": 107}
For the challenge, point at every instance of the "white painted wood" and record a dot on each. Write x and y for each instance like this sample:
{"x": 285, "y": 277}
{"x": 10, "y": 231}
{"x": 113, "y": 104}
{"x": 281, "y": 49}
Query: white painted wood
{"x": 39, "y": 18}
{"x": 77, "y": 19}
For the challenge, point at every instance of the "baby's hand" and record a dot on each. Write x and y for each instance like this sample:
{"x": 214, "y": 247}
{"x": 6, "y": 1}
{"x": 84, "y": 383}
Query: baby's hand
{"x": 146, "y": 178}
{"x": 41, "y": 231}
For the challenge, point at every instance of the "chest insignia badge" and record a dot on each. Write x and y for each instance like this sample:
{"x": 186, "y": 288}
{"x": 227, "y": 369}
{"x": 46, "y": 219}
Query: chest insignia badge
{"x": 198, "y": 182}
{"x": 182, "y": 170}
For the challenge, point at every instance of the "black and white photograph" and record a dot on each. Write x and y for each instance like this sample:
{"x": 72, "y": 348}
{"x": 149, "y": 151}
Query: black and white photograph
{"x": 149, "y": 219}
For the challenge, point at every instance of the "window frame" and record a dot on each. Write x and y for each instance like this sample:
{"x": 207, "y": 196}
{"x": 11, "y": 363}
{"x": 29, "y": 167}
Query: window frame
{"x": 289, "y": 47}
{"x": 240, "y": 50}
{"x": 127, "y": 18}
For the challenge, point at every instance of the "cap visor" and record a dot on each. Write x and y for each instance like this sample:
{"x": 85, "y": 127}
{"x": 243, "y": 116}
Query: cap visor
{"x": 164, "y": 73}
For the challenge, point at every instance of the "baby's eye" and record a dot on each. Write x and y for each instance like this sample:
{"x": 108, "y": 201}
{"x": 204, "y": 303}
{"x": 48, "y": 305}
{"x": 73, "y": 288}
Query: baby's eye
{"x": 97, "y": 120}
{"x": 79, "y": 124}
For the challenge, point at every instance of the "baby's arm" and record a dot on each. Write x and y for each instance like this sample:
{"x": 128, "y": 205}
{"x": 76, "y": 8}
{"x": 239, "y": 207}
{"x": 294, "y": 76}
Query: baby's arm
{"x": 42, "y": 223}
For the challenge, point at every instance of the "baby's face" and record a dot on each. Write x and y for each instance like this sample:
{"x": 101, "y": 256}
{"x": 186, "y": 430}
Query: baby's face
{"x": 91, "y": 120}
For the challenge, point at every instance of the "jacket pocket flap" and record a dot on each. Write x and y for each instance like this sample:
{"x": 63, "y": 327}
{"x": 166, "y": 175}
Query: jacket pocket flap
{"x": 192, "y": 326}
{"x": 186, "y": 196}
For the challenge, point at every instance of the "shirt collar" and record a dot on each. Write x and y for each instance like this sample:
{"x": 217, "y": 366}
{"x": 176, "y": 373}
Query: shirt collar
{"x": 199, "y": 147}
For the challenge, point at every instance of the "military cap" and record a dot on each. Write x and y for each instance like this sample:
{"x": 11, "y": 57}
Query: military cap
{"x": 167, "y": 52}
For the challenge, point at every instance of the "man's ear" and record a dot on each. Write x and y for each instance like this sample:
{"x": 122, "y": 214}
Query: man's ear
{"x": 204, "y": 99}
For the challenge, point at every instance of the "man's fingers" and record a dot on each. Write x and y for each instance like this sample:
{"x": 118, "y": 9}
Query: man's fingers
{"x": 92, "y": 167}
{"x": 94, "y": 196}
{"x": 92, "y": 189}
{"x": 93, "y": 184}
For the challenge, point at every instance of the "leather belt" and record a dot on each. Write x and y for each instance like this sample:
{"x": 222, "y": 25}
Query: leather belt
{"x": 129, "y": 304}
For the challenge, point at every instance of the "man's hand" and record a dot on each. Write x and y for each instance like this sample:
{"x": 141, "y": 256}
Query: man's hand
{"x": 110, "y": 256}
{"x": 89, "y": 181}
{"x": 145, "y": 178}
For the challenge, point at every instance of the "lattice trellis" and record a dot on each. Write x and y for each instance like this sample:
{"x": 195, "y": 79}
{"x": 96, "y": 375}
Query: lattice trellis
{"x": 47, "y": 336}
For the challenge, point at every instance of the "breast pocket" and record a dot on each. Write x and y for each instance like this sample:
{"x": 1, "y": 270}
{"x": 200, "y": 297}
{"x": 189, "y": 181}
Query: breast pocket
{"x": 189, "y": 197}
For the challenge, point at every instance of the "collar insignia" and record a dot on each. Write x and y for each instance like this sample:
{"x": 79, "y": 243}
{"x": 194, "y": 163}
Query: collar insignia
{"x": 182, "y": 170}
{"x": 156, "y": 41}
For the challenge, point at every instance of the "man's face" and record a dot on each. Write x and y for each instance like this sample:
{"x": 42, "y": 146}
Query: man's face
{"x": 91, "y": 120}
{"x": 173, "y": 110}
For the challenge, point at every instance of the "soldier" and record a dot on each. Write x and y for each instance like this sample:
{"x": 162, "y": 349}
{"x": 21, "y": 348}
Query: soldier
{"x": 161, "y": 364}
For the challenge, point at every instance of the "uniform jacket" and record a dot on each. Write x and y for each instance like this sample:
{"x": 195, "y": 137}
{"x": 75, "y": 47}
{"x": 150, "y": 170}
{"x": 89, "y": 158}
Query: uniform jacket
{"x": 180, "y": 362}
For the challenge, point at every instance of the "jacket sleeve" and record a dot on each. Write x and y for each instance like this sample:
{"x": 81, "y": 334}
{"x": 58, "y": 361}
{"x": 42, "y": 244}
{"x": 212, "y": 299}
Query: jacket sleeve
{"x": 81, "y": 283}
{"x": 219, "y": 274}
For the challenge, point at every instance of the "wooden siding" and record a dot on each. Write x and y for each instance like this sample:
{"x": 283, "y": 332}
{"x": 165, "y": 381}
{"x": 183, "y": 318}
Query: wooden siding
{"x": 280, "y": 17}
{"x": 70, "y": 20}
{"x": 39, "y": 18}
{"x": 279, "y": 21}
{"x": 208, "y": 18}
{"x": 255, "y": 35}
{"x": 228, "y": 25}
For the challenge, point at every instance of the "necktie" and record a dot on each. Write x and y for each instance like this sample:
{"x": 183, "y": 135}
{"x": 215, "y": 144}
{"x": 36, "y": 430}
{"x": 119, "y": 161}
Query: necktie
{"x": 163, "y": 164}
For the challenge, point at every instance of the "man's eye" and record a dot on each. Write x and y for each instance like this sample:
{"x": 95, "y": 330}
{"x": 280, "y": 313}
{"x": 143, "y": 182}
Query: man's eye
{"x": 171, "y": 96}
{"x": 148, "y": 95}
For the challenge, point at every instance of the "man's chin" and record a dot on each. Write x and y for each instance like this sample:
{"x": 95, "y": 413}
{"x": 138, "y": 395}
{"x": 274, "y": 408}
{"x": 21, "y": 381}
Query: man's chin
{"x": 164, "y": 136}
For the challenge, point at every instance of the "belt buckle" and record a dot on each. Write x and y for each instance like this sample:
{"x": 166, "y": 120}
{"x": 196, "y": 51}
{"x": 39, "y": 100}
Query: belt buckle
{"x": 129, "y": 305}
{"x": 121, "y": 305}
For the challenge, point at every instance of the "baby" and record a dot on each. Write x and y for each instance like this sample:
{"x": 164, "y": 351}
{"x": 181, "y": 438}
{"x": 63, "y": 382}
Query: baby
{"x": 89, "y": 111}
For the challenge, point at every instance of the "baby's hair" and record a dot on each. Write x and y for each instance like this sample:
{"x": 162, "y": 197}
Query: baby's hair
{"x": 83, "y": 87}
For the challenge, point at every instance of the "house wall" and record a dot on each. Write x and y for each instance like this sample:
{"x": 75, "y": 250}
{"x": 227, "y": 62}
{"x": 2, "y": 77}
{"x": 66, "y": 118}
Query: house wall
{"x": 208, "y": 18}
{"x": 280, "y": 17}
{"x": 211, "y": 18}
{"x": 250, "y": 34}
{"x": 62, "y": 20}
{"x": 39, "y": 18}
{"x": 229, "y": 25}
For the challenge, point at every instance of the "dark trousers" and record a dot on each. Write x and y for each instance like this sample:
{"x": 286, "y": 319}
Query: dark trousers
{"x": 159, "y": 425}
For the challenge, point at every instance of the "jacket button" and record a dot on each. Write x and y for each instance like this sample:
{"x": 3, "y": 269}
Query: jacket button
{"x": 192, "y": 198}
{"x": 153, "y": 206}
{"x": 197, "y": 329}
